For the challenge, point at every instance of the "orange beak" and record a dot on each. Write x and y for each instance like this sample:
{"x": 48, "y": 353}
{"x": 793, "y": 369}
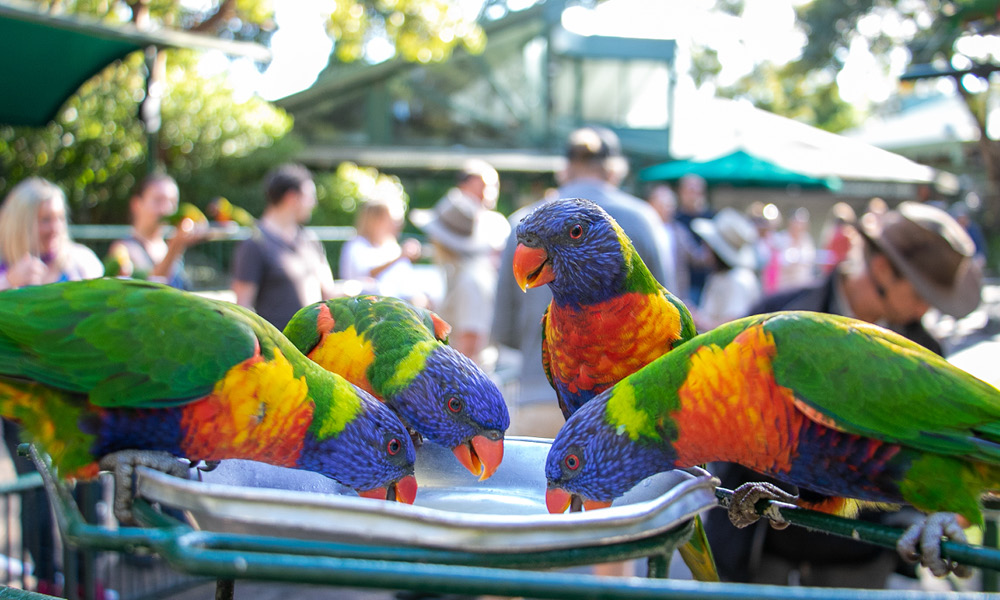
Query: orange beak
{"x": 531, "y": 267}
{"x": 404, "y": 490}
{"x": 481, "y": 455}
{"x": 557, "y": 500}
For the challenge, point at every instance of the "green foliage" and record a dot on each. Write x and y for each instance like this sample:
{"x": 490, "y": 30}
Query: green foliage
{"x": 423, "y": 30}
{"x": 340, "y": 193}
{"x": 212, "y": 142}
{"x": 96, "y": 148}
{"x": 809, "y": 97}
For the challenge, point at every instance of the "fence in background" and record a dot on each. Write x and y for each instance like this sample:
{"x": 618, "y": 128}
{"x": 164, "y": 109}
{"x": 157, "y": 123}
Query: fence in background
{"x": 207, "y": 263}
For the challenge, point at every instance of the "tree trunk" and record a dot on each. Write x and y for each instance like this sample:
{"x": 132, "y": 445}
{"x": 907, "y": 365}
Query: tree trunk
{"x": 989, "y": 150}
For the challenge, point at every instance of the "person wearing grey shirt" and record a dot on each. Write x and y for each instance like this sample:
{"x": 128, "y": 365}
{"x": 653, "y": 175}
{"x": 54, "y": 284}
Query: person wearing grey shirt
{"x": 595, "y": 167}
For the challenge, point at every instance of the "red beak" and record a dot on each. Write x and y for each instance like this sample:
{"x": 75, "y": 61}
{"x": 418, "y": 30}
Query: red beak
{"x": 557, "y": 500}
{"x": 531, "y": 267}
{"x": 481, "y": 455}
{"x": 404, "y": 490}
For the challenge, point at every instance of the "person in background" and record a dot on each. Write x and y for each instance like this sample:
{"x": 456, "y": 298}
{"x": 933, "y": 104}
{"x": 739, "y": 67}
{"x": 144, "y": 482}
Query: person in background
{"x": 732, "y": 287}
{"x": 36, "y": 249}
{"x": 837, "y": 236}
{"x": 35, "y": 245}
{"x": 904, "y": 261}
{"x": 374, "y": 257}
{"x": 467, "y": 237}
{"x": 595, "y": 167}
{"x": 767, "y": 219}
{"x": 684, "y": 250}
{"x": 283, "y": 267}
{"x": 963, "y": 215}
{"x": 694, "y": 205}
{"x": 797, "y": 252}
{"x": 146, "y": 254}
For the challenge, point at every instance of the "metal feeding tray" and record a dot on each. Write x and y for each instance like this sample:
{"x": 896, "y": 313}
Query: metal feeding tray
{"x": 453, "y": 509}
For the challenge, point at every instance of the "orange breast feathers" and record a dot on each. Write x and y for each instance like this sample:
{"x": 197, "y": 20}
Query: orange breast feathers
{"x": 732, "y": 409}
{"x": 593, "y": 347}
{"x": 347, "y": 354}
{"x": 258, "y": 411}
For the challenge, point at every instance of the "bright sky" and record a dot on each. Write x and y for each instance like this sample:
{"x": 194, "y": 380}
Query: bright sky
{"x": 765, "y": 31}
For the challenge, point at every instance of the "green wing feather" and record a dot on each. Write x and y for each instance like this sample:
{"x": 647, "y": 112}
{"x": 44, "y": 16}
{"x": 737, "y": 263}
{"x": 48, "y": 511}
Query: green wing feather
{"x": 873, "y": 382}
{"x": 125, "y": 343}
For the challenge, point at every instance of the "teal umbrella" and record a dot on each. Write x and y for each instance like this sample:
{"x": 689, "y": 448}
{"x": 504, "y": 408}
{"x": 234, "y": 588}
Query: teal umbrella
{"x": 739, "y": 168}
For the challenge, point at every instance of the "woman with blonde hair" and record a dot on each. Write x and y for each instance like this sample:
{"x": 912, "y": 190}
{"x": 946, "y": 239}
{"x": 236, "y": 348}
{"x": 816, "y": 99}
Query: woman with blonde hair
{"x": 375, "y": 257}
{"x": 35, "y": 246}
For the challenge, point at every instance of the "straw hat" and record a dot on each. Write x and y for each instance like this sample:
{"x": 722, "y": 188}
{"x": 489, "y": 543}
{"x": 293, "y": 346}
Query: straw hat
{"x": 731, "y": 235}
{"x": 932, "y": 251}
{"x": 460, "y": 224}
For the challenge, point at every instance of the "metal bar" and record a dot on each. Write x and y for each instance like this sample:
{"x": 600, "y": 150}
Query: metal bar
{"x": 447, "y": 579}
{"x": 225, "y": 589}
{"x": 656, "y": 545}
{"x": 873, "y": 533}
{"x": 991, "y": 539}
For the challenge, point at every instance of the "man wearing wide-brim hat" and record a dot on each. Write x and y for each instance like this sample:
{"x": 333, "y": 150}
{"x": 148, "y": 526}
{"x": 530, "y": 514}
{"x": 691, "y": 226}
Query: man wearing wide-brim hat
{"x": 905, "y": 261}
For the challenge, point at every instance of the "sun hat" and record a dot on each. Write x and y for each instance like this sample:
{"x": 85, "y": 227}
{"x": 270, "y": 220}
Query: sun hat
{"x": 932, "y": 251}
{"x": 462, "y": 225}
{"x": 731, "y": 235}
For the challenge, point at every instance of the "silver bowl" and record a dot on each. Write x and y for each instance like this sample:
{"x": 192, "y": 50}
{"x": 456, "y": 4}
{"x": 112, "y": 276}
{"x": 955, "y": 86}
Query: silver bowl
{"x": 453, "y": 509}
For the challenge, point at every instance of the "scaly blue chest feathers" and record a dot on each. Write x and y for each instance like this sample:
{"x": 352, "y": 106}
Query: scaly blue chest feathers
{"x": 591, "y": 458}
{"x": 368, "y": 452}
{"x": 584, "y": 247}
{"x": 451, "y": 400}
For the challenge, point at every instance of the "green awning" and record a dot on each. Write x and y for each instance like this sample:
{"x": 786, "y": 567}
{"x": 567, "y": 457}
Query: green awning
{"x": 739, "y": 168}
{"x": 47, "y": 58}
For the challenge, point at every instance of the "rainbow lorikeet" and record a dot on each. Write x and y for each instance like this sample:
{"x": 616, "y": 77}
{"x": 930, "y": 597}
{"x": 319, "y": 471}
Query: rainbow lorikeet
{"x": 608, "y": 316}
{"x": 400, "y": 354}
{"x": 186, "y": 210}
{"x": 91, "y": 368}
{"x": 846, "y": 410}
{"x": 224, "y": 211}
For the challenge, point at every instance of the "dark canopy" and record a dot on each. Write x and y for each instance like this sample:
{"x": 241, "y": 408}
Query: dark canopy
{"x": 47, "y": 58}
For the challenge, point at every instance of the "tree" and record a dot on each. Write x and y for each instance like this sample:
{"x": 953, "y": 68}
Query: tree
{"x": 930, "y": 32}
{"x": 96, "y": 148}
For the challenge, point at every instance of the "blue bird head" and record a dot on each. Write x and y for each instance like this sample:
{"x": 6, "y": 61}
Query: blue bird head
{"x": 593, "y": 462}
{"x": 372, "y": 454}
{"x": 452, "y": 402}
{"x": 575, "y": 247}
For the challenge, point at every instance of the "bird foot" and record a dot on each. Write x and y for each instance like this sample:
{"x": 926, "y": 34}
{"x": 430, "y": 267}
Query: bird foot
{"x": 742, "y": 510}
{"x": 927, "y": 534}
{"x": 122, "y": 465}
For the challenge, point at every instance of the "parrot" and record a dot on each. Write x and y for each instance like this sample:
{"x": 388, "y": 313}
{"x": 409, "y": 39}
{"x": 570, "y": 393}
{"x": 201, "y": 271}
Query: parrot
{"x": 102, "y": 367}
{"x": 186, "y": 210}
{"x": 118, "y": 263}
{"x": 608, "y": 316}
{"x": 851, "y": 413}
{"x": 400, "y": 354}
{"x": 224, "y": 211}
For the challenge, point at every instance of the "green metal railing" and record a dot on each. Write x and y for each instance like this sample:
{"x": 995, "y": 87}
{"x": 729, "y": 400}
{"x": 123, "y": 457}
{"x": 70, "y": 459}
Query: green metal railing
{"x": 230, "y": 557}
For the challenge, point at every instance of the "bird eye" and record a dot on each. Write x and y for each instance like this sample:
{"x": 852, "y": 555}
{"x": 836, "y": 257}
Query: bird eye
{"x": 572, "y": 462}
{"x": 576, "y": 231}
{"x": 454, "y": 404}
{"x": 393, "y": 447}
